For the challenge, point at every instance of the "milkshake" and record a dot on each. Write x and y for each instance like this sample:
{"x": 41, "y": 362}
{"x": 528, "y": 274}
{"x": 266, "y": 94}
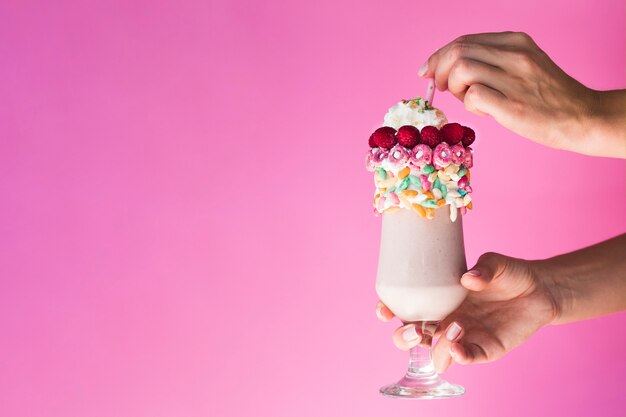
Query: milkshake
{"x": 421, "y": 165}
{"x": 419, "y": 266}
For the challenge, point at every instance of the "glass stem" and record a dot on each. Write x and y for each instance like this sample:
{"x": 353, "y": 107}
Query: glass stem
{"x": 420, "y": 357}
{"x": 420, "y": 362}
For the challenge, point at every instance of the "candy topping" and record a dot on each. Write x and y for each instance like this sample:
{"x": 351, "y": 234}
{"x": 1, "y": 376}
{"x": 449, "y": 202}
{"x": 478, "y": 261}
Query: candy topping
{"x": 421, "y": 155}
{"x": 408, "y": 136}
{"x": 421, "y": 171}
{"x": 469, "y": 136}
{"x": 452, "y": 133}
{"x": 398, "y": 155}
{"x": 442, "y": 155}
{"x": 431, "y": 136}
{"x": 384, "y": 137}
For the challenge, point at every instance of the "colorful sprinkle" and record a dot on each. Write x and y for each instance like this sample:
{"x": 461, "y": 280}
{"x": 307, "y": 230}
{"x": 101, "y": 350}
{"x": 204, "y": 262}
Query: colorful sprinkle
{"x": 404, "y": 184}
{"x": 419, "y": 210}
{"x": 427, "y": 169}
{"x": 404, "y": 172}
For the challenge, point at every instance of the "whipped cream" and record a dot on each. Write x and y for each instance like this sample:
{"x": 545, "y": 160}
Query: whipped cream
{"x": 414, "y": 112}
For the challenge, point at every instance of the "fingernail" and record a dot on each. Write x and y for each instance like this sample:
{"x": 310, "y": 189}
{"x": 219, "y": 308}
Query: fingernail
{"x": 423, "y": 69}
{"x": 453, "y": 331}
{"x": 473, "y": 272}
{"x": 410, "y": 334}
{"x": 379, "y": 312}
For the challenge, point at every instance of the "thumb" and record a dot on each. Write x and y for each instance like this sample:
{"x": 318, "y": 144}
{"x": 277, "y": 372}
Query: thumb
{"x": 488, "y": 268}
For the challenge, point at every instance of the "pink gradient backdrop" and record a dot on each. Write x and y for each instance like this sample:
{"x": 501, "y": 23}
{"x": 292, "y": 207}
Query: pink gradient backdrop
{"x": 185, "y": 223}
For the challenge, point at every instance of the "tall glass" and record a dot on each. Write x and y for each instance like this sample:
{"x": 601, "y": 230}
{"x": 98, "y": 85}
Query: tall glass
{"x": 419, "y": 269}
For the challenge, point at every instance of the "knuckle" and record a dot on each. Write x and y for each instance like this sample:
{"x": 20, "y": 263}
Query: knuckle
{"x": 523, "y": 60}
{"x": 458, "y": 50}
{"x": 461, "y": 39}
{"x": 461, "y": 66}
{"x": 489, "y": 257}
{"x": 524, "y": 38}
{"x": 473, "y": 92}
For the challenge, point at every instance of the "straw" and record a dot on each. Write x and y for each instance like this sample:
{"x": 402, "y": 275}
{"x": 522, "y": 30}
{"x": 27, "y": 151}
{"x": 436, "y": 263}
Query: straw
{"x": 430, "y": 93}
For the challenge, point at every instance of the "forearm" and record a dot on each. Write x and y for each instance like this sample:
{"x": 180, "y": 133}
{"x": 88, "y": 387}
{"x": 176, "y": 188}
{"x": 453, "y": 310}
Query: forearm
{"x": 603, "y": 128}
{"x": 589, "y": 282}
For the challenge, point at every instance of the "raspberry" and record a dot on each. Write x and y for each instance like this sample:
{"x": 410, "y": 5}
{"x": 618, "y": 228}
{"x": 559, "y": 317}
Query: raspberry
{"x": 371, "y": 141}
{"x": 452, "y": 133}
{"x": 431, "y": 136}
{"x": 384, "y": 137}
{"x": 408, "y": 136}
{"x": 468, "y": 136}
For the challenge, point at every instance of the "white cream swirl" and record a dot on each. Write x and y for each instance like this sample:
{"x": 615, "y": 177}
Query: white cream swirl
{"x": 414, "y": 112}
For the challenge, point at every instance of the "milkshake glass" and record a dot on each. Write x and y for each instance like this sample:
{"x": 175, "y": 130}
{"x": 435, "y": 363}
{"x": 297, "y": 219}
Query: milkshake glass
{"x": 421, "y": 166}
{"x": 419, "y": 268}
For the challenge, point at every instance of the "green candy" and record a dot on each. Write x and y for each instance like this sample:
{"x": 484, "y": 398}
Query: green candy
{"x": 444, "y": 190}
{"x": 462, "y": 172}
{"x": 382, "y": 174}
{"x": 390, "y": 190}
{"x": 414, "y": 180}
{"x": 404, "y": 184}
{"x": 429, "y": 203}
{"x": 427, "y": 169}
{"x": 437, "y": 183}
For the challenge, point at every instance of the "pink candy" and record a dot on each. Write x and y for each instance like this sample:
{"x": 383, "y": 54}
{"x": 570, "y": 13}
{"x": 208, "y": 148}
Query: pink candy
{"x": 468, "y": 161}
{"x": 458, "y": 154}
{"x": 378, "y": 156}
{"x": 398, "y": 155}
{"x": 425, "y": 182}
{"x": 463, "y": 182}
{"x": 442, "y": 155}
{"x": 381, "y": 203}
{"x": 421, "y": 155}
{"x": 370, "y": 162}
{"x": 394, "y": 198}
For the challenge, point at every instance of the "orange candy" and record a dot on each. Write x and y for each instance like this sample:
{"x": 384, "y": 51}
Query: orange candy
{"x": 409, "y": 193}
{"x": 429, "y": 195}
{"x": 404, "y": 172}
{"x": 419, "y": 210}
{"x": 441, "y": 202}
{"x": 430, "y": 213}
{"x": 392, "y": 209}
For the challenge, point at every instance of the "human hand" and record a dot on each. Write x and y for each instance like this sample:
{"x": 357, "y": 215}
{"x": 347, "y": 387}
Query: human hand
{"x": 506, "y": 304}
{"x": 506, "y": 75}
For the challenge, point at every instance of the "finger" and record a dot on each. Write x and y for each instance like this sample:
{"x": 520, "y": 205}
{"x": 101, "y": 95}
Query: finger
{"x": 466, "y": 72}
{"x": 383, "y": 313}
{"x": 481, "y": 99}
{"x": 441, "y": 352}
{"x": 483, "y": 46}
{"x": 407, "y": 336}
{"x": 459, "y": 354}
{"x": 483, "y": 53}
{"x": 489, "y": 267}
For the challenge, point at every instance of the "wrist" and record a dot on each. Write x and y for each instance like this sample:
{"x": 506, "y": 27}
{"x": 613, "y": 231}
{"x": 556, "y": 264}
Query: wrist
{"x": 554, "y": 288}
{"x": 603, "y": 124}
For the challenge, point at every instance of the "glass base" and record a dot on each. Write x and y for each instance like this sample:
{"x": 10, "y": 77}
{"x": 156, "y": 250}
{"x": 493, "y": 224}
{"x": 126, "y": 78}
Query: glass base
{"x": 422, "y": 388}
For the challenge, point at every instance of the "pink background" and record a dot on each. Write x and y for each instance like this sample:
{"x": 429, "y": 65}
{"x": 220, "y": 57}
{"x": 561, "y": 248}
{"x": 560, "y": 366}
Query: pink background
{"x": 185, "y": 222}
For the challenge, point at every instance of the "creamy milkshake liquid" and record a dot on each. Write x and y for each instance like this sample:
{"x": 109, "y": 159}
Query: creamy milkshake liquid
{"x": 420, "y": 265}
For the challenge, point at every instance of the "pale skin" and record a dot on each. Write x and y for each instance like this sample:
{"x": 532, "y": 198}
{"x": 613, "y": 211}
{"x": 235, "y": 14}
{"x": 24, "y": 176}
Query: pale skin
{"x": 506, "y": 76}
